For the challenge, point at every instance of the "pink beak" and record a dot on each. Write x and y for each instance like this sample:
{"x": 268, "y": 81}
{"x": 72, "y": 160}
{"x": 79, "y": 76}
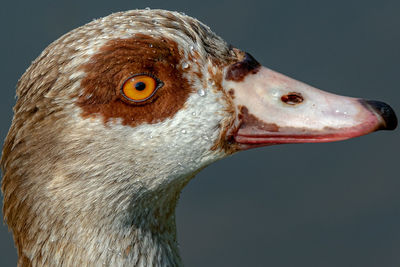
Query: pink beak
{"x": 275, "y": 109}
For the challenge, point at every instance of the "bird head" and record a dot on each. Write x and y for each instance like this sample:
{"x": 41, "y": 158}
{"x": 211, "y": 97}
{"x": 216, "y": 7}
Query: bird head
{"x": 127, "y": 108}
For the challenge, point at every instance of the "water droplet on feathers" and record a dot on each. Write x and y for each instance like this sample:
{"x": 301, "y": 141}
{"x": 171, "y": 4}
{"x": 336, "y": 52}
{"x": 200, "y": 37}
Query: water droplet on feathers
{"x": 201, "y": 92}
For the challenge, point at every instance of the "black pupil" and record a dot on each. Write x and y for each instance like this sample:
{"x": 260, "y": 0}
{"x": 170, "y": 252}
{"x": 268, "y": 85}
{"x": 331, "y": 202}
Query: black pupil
{"x": 140, "y": 86}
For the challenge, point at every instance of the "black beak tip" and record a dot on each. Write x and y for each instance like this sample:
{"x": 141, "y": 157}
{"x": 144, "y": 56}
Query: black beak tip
{"x": 385, "y": 111}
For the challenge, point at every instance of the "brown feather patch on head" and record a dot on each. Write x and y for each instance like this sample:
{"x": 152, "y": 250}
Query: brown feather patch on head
{"x": 121, "y": 58}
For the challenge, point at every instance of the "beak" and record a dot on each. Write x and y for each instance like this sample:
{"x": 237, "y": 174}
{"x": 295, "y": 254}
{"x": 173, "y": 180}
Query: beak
{"x": 272, "y": 108}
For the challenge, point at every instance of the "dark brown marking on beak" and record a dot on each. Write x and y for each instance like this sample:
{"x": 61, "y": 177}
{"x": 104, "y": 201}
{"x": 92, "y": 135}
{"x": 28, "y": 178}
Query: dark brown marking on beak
{"x": 248, "y": 120}
{"x": 239, "y": 70}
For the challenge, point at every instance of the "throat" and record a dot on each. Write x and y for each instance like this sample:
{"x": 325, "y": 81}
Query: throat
{"x": 136, "y": 247}
{"x": 142, "y": 233}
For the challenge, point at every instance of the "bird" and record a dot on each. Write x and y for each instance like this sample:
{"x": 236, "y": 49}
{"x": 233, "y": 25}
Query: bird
{"x": 114, "y": 118}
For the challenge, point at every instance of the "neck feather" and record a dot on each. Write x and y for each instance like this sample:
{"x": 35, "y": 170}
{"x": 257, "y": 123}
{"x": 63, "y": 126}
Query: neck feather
{"x": 129, "y": 230}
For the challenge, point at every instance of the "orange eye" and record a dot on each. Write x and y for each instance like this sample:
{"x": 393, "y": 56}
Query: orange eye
{"x": 140, "y": 87}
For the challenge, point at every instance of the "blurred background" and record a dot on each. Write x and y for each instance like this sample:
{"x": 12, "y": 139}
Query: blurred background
{"x": 335, "y": 204}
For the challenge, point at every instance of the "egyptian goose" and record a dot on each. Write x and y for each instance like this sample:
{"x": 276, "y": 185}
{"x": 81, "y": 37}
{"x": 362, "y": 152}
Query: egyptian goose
{"x": 114, "y": 118}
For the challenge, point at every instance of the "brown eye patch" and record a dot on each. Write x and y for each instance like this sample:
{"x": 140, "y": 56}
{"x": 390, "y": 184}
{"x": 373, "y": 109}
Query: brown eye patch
{"x": 120, "y": 59}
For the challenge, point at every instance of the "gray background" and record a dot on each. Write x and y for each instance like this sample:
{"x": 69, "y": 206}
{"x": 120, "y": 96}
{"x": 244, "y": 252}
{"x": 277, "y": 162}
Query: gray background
{"x": 333, "y": 204}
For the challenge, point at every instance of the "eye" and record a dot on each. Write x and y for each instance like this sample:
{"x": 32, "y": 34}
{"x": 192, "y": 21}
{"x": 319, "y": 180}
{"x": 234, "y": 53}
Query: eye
{"x": 140, "y": 87}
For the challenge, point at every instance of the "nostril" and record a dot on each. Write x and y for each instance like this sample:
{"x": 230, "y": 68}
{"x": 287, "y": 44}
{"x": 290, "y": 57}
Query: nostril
{"x": 292, "y": 98}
